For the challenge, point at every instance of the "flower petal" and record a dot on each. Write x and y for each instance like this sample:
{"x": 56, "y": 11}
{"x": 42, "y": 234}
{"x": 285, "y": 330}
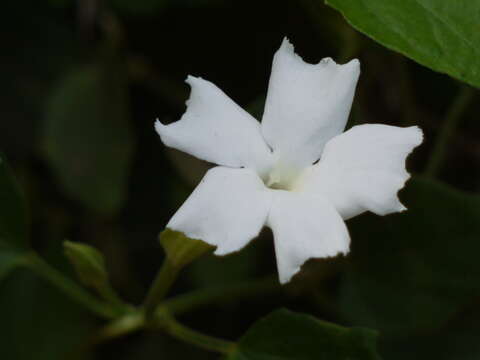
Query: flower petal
{"x": 307, "y": 104}
{"x": 217, "y": 130}
{"x": 363, "y": 169}
{"x": 227, "y": 209}
{"x": 304, "y": 227}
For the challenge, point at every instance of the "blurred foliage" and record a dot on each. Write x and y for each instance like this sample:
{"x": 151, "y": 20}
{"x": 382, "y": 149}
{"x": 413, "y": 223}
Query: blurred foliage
{"x": 82, "y": 83}
{"x": 13, "y": 221}
{"x": 39, "y": 322}
{"x": 425, "y": 265}
{"x": 88, "y": 138}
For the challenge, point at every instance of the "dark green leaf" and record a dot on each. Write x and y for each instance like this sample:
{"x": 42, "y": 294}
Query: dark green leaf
{"x": 88, "y": 139}
{"x": 411, "y": 273}
{"x": 440, "y": 34}
{"x": 180, "y": 249}
{"x": 285, "y": 335}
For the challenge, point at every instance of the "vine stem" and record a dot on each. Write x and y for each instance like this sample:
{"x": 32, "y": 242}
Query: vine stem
{"x": 160, "y": 286}
{"x": 182, "y": 303}
{"x": 184, "y": 333}
{"x": 192, "y": 300}
{"x": 69, "y": 287}
{"x": 457, "y": 108}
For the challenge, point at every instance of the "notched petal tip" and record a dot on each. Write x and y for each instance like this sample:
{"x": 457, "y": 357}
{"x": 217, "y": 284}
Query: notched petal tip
{"x": 417, "y": 135}
{"x": 161, "y": 130}
{"x": 159, "y": 126}
{"x": 193, "y": 80}
{"x": 287, "y": 45}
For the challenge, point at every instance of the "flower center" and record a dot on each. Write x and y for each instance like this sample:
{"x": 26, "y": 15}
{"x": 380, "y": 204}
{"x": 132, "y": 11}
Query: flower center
{"x": 282, "y": 176}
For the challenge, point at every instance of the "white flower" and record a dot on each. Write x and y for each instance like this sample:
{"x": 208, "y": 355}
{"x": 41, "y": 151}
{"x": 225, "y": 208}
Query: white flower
{"x": 268, "y": 173}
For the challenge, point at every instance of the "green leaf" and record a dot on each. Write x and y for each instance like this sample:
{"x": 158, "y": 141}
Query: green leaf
{"x": 87, "y": 136}
{"x": 411, "y": 273}
{"x": 285, "y": 335}
{"x": 180, "y": 249}
{"x": 88, "y": 263}
{"x": 13, "y": 214}
{"x": 440, "y": 34}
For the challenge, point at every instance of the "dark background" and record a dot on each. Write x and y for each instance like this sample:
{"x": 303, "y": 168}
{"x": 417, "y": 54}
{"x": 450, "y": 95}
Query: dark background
{"x": 82, "y": 83}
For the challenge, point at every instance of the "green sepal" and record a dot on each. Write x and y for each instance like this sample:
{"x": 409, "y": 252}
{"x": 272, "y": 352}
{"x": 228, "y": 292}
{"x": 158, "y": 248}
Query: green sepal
{"x": 180, "y": 249}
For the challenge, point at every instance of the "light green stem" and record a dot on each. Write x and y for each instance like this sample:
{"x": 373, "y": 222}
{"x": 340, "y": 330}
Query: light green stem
{"x": 448, "y": 128}
{"x": 181, "y": 332}
{"x": 183, "y": 303}
{"x": 69, "y": 287}
{"x": 160, "y": 286}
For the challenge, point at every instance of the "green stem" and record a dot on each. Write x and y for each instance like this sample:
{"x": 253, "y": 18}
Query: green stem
{"x": 119, "y": 327}
{"x": 187, "y": 302}
{"x": 180, "y": 331}
{"x": 183, "y": 303}
{"x": 69, "y": 287}
{"x": 160, "y": 286}
{"x": 448, "y": 128}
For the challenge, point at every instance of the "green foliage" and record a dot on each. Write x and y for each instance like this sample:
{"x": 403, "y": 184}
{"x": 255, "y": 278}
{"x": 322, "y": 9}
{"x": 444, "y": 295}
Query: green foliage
{"x": 287, "y": 335}
{"x": 440, "y": 34}
{"x": 88, "y": 140}
{"x": 180, "y": 249}
{"x": 413, "y": 272}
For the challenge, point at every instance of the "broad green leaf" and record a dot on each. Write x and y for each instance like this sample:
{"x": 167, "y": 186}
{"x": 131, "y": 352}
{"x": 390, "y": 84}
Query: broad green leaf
{"x": 285, "y": 335}
{"x": 88, "y": 139}
{"x": 88, "y": 263}
{"x": 411, "y": 273}
{"x": 13, "y": 218}
{"x": 180, "y": 249}
{"x": 440, "y": 34}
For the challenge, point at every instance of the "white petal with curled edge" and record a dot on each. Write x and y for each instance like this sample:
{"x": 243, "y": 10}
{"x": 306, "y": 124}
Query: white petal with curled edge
{"x": 363, "y": 169}
{"x": 307, "y": 104}
{"x": 304, "y": 227}
{"x": 227, "y": 209}
{"x": 216, "y": 129}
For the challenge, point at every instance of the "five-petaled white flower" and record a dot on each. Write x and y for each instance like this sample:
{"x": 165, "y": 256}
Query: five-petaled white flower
{"x": 296, "y": 172}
